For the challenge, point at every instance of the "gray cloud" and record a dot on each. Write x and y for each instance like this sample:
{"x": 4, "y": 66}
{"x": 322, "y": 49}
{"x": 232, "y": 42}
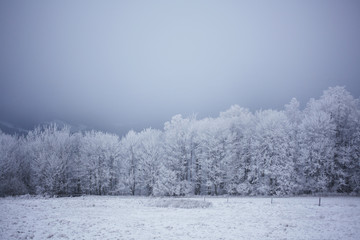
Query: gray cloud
{"x": 136, "y": 63}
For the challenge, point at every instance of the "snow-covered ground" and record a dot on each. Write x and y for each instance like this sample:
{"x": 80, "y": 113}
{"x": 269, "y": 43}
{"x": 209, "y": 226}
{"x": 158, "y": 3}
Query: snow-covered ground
{"x": 138, "y": 218}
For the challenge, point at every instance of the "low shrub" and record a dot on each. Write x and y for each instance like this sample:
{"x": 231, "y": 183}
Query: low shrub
{"x": 180, "y": 203}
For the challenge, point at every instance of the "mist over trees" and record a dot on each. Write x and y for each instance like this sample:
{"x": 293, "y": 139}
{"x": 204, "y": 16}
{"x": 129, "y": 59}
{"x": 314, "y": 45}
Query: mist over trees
{"x": 269, "y": 152}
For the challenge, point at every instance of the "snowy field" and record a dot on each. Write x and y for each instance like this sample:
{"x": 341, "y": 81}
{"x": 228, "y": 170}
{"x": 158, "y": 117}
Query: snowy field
{"x": 93, "y": 217}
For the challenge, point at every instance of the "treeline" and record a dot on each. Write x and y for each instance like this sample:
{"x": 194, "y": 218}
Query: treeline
{"x": 242, "y": 153}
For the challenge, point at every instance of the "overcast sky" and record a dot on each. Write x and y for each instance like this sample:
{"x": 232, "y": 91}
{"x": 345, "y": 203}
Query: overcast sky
{"x": 118, "y": 65}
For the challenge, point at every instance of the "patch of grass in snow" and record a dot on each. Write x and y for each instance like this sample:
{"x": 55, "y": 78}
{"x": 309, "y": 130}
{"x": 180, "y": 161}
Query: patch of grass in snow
{"x": 180, "y": 203}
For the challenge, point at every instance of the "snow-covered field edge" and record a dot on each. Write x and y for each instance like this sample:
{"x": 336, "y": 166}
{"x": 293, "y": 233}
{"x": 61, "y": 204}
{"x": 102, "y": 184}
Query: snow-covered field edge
{"x": 125, "y": 217}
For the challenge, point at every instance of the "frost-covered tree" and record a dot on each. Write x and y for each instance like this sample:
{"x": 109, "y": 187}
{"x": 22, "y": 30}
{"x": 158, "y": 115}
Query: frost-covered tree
{"x": 14, "y": 171}
{"x": 272, "y": 166}
{"x": 180, "y": 151}
{"x": 317, "y": 151}
{"x": 270, "y": 152}
{"x": 129, "y": 152}
{"x": 238, "y": 148}
{"x": 213, "y": 139}
{"x": 166, "y": 183}
{"x": 294, "y": 116}
{"x": 155, "y": 176}
{"x": 343, "y": 110}
{"x": 49, "y": 148}
{"x": 151, "y": 155}
{"x": 337, "y": 114}
{"x": 100, "y": 155}
{"x": 353, "y": 169}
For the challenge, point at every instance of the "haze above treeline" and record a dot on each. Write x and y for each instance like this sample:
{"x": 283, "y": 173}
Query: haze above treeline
{"x": 121, "y": 65}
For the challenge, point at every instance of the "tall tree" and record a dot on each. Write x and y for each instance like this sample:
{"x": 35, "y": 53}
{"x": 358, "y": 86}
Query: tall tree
{"x": 100, "y": 153}
{"x": 50, "y": 158}
{"x": 179, "y": 148}
{"x": 238, "y": 148}
{"x": 129, "y": 154}
{"x": 343, "y": 110}
{"x": 14, "y": 173}
{"x": 294, "y": 116}
{"x": 151, "y": 155}
{"x": 317, "y": 146}
{"x": 271, "y": 150}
